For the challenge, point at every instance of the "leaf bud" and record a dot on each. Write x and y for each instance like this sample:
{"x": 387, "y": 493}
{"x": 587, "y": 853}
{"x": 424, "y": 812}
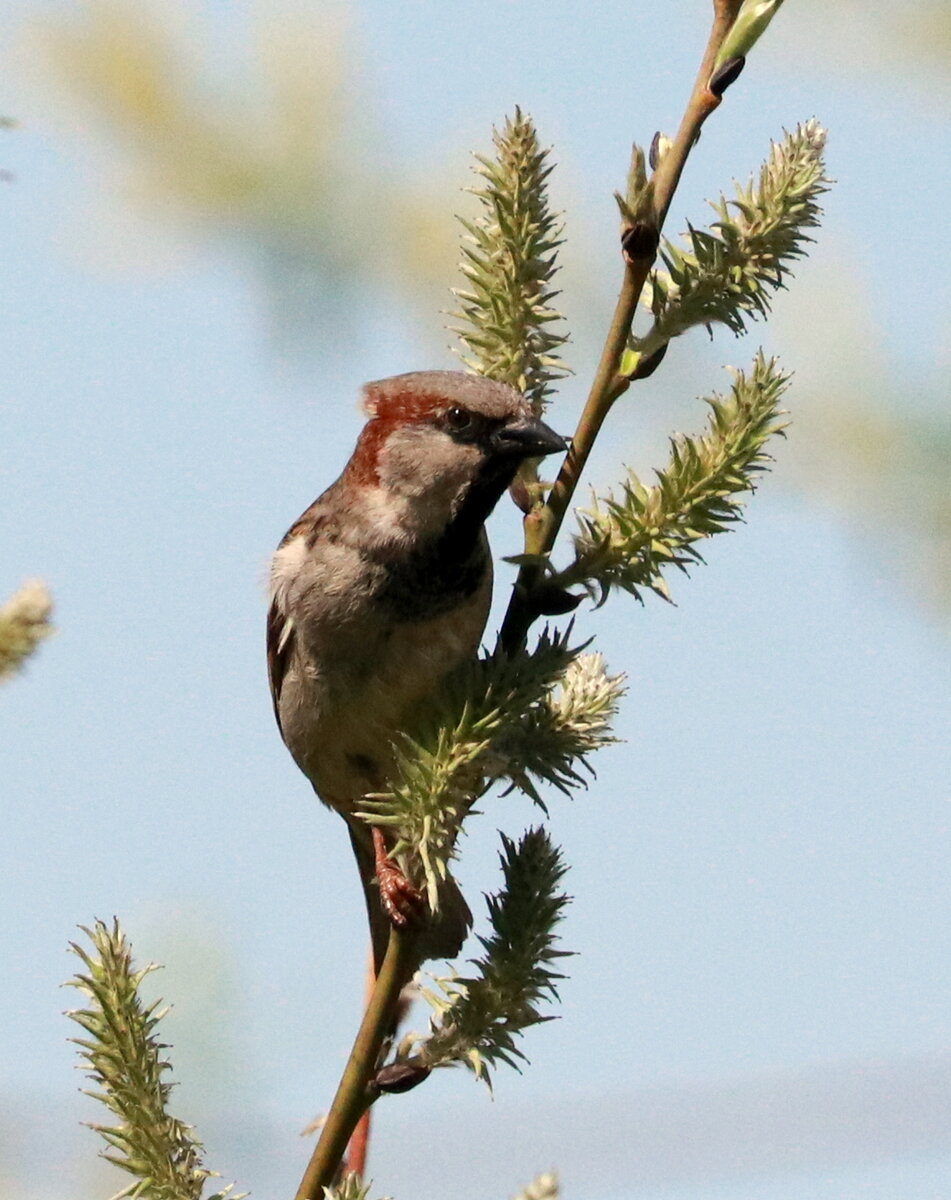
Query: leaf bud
{"x": 726, "y": 74}
{"x": 550, "y": 600}
{"x": 640, "y": 241}
{"x": 400, "y": 1077}
{"x": 660, "y": 144}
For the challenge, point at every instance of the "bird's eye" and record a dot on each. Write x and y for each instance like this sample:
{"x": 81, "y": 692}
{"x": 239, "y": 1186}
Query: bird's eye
{"x": 459, "y": 420}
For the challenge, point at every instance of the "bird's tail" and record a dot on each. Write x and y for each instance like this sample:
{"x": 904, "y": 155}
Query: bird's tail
{"x": 446, "y": 930}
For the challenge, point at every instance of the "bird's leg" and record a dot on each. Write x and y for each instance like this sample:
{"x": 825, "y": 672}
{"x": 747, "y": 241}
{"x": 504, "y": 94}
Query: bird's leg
{"x": 403, "y": 902}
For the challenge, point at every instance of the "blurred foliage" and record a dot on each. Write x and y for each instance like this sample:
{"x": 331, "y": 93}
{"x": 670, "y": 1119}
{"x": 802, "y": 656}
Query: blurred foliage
{"x": 872, "y": 438}
{"x": 886, "y": 469}
{"x": 892, "y": 35}
{"x": 262, "y": 154}
{"x": 928, "y": 32}
{"x": 24, "y": 623}
{"x": 925, "y": 33}
{"x": 542, "y": 1187}
{"x": 272, "y": 151}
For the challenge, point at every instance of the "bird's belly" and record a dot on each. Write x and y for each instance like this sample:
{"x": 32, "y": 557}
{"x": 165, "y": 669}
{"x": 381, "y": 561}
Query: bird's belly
{"x": 345, "y": 701}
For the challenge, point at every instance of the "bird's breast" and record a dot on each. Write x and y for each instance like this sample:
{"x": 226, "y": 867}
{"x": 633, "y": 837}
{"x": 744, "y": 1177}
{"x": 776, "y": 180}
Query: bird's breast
{"x": 367, "y": 659}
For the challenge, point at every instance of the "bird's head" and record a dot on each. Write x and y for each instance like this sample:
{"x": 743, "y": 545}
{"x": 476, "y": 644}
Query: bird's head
{"x": 447, "y": 444}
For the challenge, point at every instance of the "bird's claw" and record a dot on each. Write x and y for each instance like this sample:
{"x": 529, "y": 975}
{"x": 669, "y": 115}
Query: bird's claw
{"x": 403, "y": 902}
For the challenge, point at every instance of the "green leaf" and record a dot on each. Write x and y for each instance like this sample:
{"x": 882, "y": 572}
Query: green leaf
{"x": 751, "y": 23}
{"x": 532, "y": 716}
{"x": 727, "y": 275}
{"x": 125, "y": 1061}
{"x": 627, "y": 541}
{"x": 478, "y": 1018}
{"x": 510, "y": 258}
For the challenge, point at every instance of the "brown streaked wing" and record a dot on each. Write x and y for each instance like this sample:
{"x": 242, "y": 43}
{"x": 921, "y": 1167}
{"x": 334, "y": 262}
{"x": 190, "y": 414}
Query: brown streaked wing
{"x": 280, "y": 643}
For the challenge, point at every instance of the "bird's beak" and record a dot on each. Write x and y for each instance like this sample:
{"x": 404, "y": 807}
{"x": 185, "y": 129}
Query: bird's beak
{"x": 527, "y": 438}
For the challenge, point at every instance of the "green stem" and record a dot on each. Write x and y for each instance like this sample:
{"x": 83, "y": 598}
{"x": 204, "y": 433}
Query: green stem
{"x": 543, "y": 524}
{"x": 355, "y": 1092}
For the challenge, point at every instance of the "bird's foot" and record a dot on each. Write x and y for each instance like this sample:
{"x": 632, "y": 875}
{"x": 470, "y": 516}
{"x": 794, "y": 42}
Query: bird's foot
{"x": 403, "y": 902}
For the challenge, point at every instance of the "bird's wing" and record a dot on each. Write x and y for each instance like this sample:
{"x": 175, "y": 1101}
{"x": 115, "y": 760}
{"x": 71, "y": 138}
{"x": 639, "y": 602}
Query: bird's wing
{"x": 280, "y": 644}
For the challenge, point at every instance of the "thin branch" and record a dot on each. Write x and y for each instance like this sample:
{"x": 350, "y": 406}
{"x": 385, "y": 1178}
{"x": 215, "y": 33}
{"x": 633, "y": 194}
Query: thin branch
{"x": 356, "y": 1092}
{"x": 360, "y": 1141}
{"x": 543, "y": 524}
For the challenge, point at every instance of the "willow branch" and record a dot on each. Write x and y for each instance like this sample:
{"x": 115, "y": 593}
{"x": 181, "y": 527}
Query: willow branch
{"x": 542, "y": 525}
{"x": 356, "y": 1092}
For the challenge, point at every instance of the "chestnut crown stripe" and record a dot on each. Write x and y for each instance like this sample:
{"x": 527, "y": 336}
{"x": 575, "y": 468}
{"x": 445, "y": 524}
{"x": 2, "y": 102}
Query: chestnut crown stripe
{"x": 397, "y": 410}
{"x": 414, "y": 395}
{"x": 408, "y": 407}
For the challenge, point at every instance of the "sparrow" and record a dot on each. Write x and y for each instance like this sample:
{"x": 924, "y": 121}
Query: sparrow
{"x": 379, "y": 591}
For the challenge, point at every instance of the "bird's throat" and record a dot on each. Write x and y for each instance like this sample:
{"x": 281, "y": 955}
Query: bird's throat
{"x": 480, "y": 499}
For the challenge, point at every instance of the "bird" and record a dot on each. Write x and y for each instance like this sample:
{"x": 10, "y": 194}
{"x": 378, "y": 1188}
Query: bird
{"x": 380, "y": 590}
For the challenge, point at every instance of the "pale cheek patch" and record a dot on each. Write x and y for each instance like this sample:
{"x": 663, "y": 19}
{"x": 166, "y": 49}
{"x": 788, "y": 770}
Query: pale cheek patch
{"x": 427, "y": 465}
{"x": 386, "y": 514}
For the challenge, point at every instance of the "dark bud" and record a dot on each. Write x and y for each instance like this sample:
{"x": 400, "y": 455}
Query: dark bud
{"x": 550, "y": 600}
{"x": 727, "y": 74}
{"x": 400, "y": 1077}
{"x": 640, "y": 241}
{"x": 647, "y": 366}
{"x": 653, "y": 155}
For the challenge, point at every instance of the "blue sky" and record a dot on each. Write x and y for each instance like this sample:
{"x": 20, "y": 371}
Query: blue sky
{"x": 759, "y": 1006}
